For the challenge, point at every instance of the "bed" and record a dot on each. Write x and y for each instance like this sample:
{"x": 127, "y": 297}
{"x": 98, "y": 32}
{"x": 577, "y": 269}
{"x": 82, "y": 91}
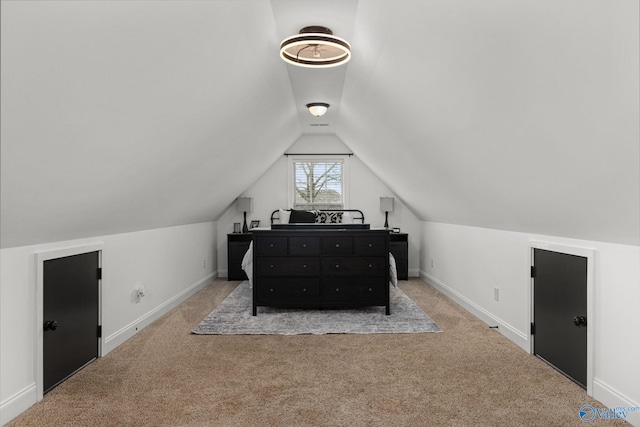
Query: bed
{"x": 320, "y": 259}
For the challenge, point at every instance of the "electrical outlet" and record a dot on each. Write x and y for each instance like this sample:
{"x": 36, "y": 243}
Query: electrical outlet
{"x": 496, "y": 294}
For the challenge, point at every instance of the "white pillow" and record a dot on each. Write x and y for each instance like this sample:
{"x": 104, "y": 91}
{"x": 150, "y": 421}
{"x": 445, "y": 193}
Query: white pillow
{"x": 284, "y": 216}
{"x": 347, "y": 218}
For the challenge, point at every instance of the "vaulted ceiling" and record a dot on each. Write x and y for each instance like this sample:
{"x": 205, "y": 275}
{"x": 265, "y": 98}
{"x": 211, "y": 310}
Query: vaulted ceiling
{"x": 516, "y": 115}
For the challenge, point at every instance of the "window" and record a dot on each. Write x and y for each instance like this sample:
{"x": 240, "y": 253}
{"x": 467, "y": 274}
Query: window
{"x": 318, "y": 184}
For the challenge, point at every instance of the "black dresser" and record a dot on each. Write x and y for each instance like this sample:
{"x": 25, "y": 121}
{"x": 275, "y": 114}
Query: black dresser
{"x": 320, "y": 268}
{"x": 237, "y": 246}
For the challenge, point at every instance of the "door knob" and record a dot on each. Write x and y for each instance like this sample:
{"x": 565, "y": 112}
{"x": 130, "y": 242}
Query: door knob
{"x": 580, "y": 321}
{"x": 50, "y": 325}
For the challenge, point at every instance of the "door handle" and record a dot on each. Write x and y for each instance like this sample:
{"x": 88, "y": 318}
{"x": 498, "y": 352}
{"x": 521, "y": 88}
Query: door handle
{"x": 50, "y": 325}
{"x": 580, "y": 321}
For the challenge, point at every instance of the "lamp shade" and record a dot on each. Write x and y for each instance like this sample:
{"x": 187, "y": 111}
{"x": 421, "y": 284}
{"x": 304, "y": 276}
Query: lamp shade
{"x": 244, "y": 204}
{"x": 386, "y": 204}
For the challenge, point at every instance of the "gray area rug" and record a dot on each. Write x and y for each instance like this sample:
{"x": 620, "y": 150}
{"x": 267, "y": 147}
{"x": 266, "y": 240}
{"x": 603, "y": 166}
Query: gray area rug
{"x": 233, "y": 316}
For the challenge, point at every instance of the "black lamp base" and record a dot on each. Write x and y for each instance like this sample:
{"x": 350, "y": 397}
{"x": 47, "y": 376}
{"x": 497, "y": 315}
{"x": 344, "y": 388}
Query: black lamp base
{"x": 386, "y": 219}
{"x": 245, "y": 229}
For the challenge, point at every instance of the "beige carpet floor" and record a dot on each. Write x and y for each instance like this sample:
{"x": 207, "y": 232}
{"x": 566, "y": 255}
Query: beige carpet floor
{"x": 469, "y": 375}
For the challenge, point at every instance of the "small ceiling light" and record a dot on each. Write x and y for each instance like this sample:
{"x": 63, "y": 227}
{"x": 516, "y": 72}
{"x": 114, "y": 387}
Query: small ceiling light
{"x": 315, "y": 47}
{"x": 318, "y": 108}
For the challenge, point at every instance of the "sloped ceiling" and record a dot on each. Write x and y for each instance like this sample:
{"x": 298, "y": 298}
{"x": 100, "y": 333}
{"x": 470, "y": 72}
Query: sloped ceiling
{"x": 129, "y": 115}
{"x": 515, "y": 115}
{"x": 125, "y": 116}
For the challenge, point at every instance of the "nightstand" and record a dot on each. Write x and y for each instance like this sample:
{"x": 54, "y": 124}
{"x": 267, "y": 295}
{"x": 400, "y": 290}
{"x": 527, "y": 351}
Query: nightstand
{"x": 399, "y": 248}
{"x": 237, "y": 246}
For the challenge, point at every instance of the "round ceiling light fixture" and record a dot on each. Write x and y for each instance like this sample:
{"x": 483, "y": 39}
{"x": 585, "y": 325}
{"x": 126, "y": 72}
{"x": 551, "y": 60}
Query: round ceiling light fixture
{"x": 315, "y": 47}
{"x": 318, "y": 108}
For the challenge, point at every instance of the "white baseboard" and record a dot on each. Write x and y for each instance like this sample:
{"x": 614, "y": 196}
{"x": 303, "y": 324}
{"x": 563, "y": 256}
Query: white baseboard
{"x": 18, "y": 403}
{"x": 613, "y": 399}
{"x": 601, "y": 391}
{"x": 513, "y": 334}
{"x": 21, "y": 401}
{"x": 122, "y": 335}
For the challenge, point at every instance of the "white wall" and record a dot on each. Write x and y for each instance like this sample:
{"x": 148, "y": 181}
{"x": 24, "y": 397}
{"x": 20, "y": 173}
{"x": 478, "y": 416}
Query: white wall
{"x": 468, "y": 262}
{"x": 269, "y": 193}
{"x": 171, "y": 263}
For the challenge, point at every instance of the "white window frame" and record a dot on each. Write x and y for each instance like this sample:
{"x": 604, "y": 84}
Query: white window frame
{"x": 292, "y": 158}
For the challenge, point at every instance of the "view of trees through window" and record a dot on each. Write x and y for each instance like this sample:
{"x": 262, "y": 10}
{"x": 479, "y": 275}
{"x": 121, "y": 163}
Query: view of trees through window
{"x": 318, "y": 185}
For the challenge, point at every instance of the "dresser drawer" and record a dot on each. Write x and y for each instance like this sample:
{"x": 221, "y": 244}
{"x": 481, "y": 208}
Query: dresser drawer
{"x": 304, "y": 245}
{"x": 287, "y": 266}
{"x": 271, "y": 246}
{"x": 370, "y": 245}
{"x": 337, "y": 245}
{"x": 285, "y": 290}
{"x": 356, "y": 289}
{"x": 352, "y": 266}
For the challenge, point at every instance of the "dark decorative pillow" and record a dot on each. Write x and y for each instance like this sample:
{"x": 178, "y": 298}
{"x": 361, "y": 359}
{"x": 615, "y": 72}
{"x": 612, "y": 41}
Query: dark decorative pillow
{"x": 329, "y": 217}
{"x": 298, "y": 217}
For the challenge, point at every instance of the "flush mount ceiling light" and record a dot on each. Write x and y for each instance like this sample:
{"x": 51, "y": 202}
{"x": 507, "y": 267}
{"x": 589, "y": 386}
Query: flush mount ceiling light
{"x": 315, "y": 47}
{"x": 318, "y": 108}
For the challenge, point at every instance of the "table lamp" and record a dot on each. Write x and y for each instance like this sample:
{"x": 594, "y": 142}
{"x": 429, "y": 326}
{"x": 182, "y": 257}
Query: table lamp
{"x": 245, "y": 204}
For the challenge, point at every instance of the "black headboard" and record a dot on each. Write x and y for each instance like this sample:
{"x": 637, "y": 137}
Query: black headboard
{"x": 359, "y": 216}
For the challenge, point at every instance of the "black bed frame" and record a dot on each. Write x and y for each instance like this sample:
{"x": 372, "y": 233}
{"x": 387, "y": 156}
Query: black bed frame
{"x": 275, "y": 216}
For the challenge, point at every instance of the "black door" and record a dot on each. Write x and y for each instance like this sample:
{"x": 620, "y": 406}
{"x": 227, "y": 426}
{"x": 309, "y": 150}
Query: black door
{"x": 560, "y": 312}
{"x": 70, "y": 338}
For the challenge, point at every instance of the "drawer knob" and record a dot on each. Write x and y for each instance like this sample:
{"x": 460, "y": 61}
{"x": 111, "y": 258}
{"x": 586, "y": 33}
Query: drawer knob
{"x": 304, "y": 265}
{"x": 271, "y": 245}
{"x": 370, "y": 265}
{"x": 337, "y": 245}
{"x": 304, "y": 289}
{"x": 337, "y": 289}
{"x": 337, "y": 265}
{"x": 370, "y": 245}
{"x": 370, "y": 289}
{"x": 271, "y": 266}
{"x": 271, "y": 290}
{"x": 304, "y": 245}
